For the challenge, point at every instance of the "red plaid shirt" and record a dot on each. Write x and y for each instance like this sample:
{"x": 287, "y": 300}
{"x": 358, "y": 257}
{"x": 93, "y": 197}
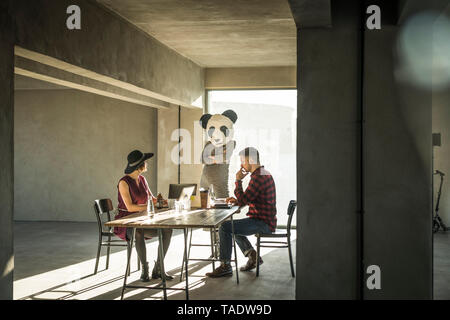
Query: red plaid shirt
{"x": 260, "y": 196}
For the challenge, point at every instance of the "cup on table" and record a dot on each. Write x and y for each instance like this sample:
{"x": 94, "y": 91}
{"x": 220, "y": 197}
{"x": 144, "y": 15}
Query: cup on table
{"x": 178, "y": 206}
{"x": 204, "y": 199}
{"x": 187, "y": 204}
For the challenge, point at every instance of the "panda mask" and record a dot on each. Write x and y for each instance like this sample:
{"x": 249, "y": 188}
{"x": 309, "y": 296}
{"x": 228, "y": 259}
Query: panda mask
{"x": 219, "y": 127}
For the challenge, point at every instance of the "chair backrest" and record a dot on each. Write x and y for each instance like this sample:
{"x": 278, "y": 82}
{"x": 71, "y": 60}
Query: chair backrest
{"x": 101, "y": 207}
{"x": 290, "y": 212}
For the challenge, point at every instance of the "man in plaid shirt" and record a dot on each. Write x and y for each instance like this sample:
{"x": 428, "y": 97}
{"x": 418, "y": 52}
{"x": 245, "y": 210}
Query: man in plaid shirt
{"x": 260, "y": 196}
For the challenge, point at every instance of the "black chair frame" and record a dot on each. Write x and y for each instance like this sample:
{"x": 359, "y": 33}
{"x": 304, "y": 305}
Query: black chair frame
{"x": 101, "y": 207}
{"x": 277, "y": 244}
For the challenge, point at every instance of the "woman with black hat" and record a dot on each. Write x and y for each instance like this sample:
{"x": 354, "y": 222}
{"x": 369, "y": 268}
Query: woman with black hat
{"x": 133, "y": 196}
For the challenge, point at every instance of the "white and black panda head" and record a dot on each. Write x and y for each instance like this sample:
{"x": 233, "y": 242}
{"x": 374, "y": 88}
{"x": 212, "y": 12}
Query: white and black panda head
{"x": 219, "y": 127}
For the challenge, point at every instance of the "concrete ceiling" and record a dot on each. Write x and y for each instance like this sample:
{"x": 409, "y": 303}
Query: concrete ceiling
{"x": 217, "y": 33}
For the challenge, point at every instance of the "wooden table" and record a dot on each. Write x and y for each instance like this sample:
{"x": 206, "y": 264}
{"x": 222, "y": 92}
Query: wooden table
{"x": 169, "y": 219}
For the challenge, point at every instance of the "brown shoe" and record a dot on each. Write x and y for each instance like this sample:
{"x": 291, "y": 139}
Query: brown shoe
{"x": 222, "y": 271}
{"x": 251, "y": 263}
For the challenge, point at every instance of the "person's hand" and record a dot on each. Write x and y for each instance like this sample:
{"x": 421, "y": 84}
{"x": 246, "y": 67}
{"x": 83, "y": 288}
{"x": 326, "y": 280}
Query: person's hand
{"x": 213, "y": 159}
{"x": 231, "y": 200}
{"x": 241, "y": 174}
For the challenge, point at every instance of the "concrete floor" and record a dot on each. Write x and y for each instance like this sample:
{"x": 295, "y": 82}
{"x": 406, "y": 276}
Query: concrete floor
{"x": 55, "y": 260}
{"x": 441, "y": 280}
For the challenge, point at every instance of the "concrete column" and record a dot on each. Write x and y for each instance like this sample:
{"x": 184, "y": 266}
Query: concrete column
{"x": 190, "y": 168}
{"x": 192, "y": 172}
{"x": 328, "y": 157}
{"x": 6, "y": 154}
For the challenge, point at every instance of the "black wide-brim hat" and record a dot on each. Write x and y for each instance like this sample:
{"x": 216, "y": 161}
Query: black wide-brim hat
{"x": 135, "y": 159}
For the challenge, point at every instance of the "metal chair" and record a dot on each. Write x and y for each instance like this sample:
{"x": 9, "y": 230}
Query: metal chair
{"x": 278, "y": 234}
{"x": 101, "y": 207}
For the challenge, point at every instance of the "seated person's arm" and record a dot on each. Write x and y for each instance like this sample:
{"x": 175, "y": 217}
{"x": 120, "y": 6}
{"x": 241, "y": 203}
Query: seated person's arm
{"x": 150, "y": 194}
{"x": 125, "y": 194}
{"x": 231, "y": 200}
{"x": 154, "y": 199}
{"x": 250, "y": 194}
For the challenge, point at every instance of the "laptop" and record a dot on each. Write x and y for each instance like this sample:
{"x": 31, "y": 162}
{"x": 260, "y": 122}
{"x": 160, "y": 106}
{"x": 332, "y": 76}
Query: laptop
{"x": 182, "y": 191}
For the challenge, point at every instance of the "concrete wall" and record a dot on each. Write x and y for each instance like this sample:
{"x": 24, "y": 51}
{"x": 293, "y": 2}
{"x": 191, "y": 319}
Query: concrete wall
{"x": 108, "y": 45}
{"x": 6, "y": 155}
{"x": 167, "y": 169}
{"x": 264, "y": 77}
{"x": 71, "y": 148}
{"x": 441, "y": 124}
{"x": 190, "y": 168}
{"x": 397, "y": 219}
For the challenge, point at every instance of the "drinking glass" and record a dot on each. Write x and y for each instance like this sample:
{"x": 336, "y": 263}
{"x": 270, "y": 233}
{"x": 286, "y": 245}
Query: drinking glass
{"x": 178, "y": 206}
{"x": 187, "y": 204}
{"x": 150, "y": 208}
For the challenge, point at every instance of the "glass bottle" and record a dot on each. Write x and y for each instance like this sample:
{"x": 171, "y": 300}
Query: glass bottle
{"x": 212, "y": 196}
{"x": 159, "y": 203}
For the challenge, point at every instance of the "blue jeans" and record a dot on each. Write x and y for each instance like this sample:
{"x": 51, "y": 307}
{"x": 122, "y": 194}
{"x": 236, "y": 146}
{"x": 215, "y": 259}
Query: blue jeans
{"x": 242, "y": 228}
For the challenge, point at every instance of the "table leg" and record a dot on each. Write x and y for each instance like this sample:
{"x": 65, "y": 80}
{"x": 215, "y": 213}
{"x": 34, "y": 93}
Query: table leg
{"x": 127, "y": 270}
{"x": 161, "y": 263}
{"x": 212, "y": 246}
{"x": 235, "y": 253}
{"x": 186, "y": 263}
{"x": 190, "y": 243}
{"x": 216, "y": 254}
{"x": 188, "y": 254}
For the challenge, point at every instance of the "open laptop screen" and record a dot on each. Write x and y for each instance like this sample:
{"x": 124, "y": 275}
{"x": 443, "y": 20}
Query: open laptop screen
{"x": 181, "y": 191}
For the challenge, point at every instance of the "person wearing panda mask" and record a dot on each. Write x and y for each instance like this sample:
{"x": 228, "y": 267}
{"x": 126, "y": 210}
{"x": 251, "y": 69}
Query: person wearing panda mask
{"x": 218, "y": 151}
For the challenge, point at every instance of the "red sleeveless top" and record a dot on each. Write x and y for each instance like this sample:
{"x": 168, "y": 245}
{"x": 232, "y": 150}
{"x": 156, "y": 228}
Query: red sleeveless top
{"x": 139, "y": 195}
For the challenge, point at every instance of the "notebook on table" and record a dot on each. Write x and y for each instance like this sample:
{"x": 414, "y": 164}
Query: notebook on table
{"x": 221, "y": 203}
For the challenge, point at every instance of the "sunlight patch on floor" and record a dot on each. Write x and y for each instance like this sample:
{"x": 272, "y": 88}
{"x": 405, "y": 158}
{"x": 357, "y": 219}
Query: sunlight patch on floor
{"x": 77, "y": 281}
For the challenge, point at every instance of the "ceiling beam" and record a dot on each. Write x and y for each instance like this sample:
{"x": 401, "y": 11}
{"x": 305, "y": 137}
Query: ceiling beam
{"x": 84, "y": 78}
{"x": 311, "y": 13}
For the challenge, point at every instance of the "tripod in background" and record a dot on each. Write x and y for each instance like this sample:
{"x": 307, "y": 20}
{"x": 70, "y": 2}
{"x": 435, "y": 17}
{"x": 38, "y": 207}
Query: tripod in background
{"x": 437, "y": 220}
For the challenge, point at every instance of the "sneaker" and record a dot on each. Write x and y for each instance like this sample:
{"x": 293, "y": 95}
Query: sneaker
{"x": 251, "y": 263}
{"x": 222, "y": 271}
